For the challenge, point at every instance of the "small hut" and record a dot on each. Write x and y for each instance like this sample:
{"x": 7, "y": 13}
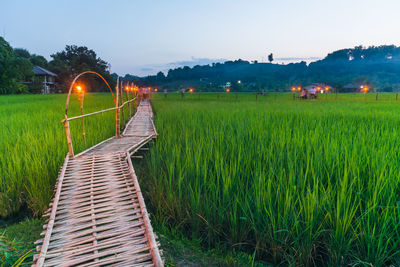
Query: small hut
{"x": 46, "y": 78}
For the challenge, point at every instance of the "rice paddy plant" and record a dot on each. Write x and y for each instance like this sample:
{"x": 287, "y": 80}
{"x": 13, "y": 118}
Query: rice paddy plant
{"x": 33, "y": 144}
{"x": 308, "y": 183}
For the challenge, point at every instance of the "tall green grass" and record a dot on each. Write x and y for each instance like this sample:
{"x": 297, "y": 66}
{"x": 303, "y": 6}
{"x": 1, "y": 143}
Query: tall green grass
{"x": 300, "y": 182}
{"x": 33, "y": 144}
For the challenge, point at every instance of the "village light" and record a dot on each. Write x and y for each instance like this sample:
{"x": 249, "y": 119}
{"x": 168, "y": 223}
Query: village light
{"x": 298, "y": 88}
{"x": 79, "y": 89}
{"x": 293, "y": 89}
{"x": 155, "y": 90}
{"x": 239, "y": 81}
{"x": 228, "y": 90}
{"x": 191, "y": 90}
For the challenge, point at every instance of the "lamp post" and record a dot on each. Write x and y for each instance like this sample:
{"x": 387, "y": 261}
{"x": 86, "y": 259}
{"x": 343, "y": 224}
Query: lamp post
{"x": 294, "y": 92}
{"x": 127, "y": 98}
{"x": 81, "y": 96}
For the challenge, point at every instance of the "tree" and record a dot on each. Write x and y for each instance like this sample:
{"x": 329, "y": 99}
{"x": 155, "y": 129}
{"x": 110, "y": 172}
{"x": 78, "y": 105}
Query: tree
{"x": 40, "y": 61}
{"x": 13, "y": 70}
{"x": 20, "y": 52}
{"x": 270, "y": 58}
{"x": 76, "y": 59}
{"x": 160, "y": 76}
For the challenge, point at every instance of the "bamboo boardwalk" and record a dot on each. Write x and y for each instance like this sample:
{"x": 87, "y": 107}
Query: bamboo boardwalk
{"x": 98, "y": 216}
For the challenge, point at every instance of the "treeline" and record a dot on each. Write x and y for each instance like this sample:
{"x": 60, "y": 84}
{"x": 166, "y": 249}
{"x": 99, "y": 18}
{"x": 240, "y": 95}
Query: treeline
{"x": 16, "y": 69}
{"x": 378, "y": 66}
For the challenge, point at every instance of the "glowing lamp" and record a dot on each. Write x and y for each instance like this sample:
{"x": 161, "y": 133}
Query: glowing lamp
{"x": 156, "y": 90}
{"x": 228, "y": 90}
{"x": 79, "y": 89}
{"x": 298, "y": 88}
{"x": 293, "y": 89}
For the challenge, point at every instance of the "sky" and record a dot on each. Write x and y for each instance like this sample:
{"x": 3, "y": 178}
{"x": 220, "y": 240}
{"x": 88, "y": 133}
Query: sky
{"x": 144, "y": 37}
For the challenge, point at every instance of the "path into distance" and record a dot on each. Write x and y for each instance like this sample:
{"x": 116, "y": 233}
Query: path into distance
{"x": 98, "y": 216}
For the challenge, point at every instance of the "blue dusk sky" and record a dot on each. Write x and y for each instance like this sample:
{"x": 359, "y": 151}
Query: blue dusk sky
{"x": 143, "y": 37}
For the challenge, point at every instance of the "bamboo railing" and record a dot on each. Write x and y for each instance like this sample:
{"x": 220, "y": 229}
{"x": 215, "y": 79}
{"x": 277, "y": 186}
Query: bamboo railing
{"x": 118, "y": 109}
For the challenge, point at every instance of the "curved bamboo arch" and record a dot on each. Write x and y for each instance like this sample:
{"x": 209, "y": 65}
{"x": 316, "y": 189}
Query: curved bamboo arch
{"x": 72, "y": 86}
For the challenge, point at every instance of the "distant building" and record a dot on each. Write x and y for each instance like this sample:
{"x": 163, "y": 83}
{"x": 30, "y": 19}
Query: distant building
{"x": 357, "y": 87}
{"x": 315, "y": 88}
{"x": 45, "y": 78}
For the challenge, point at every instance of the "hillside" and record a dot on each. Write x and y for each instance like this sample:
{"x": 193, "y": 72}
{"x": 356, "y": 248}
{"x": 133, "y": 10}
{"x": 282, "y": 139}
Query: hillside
{"x": 376, "y": 65}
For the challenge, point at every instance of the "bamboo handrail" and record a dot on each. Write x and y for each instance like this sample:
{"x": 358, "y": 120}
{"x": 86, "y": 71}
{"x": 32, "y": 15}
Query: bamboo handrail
{"x": 97, "y": 112}
{"x": 118, "y": 108}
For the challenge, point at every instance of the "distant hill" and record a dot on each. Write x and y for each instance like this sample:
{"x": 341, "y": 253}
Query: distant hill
{"x": 378, "y": 66}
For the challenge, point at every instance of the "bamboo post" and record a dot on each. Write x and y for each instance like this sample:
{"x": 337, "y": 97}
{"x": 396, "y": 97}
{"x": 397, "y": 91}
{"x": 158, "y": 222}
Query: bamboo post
{"x": 129, "y": 103}
{"x": 121, "y": 96}
{"x": 82, "y": 119}
{"x": 117, "y": 111}
{"x": 134, "y": 102}
{"x": 68, "y": 135}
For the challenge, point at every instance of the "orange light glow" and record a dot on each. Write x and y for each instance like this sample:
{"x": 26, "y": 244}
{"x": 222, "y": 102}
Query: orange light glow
{"x": 298, "y": 88}
{"x": 79, "y": 89}
{"x": 127, "y": 88}
{"x": 319, "y": 88}
{"x": 327, "y": 88}
{"x": 228, "y": 90}
{"x": 191, "y": 90}
{"x": 293, "y": 89}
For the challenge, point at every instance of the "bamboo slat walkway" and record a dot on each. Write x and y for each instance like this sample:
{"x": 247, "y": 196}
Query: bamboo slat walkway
{"x": 98, "y": 216}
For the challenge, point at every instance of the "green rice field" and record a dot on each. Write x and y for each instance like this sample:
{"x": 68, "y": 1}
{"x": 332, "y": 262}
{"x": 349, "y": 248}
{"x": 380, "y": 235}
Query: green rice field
{"x": 292, "y": 182}
{"x": 33, "y": 145}
{"x": 304, "y": 183}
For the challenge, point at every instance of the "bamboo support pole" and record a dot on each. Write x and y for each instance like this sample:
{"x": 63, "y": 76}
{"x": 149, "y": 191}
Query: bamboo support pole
{"x": 129, "y": 103}
{"x": 117, "y": 129}
{"x": 68, "y": 135}
{"x": 122, "y": 108}
{"x": 82, "y": 118}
